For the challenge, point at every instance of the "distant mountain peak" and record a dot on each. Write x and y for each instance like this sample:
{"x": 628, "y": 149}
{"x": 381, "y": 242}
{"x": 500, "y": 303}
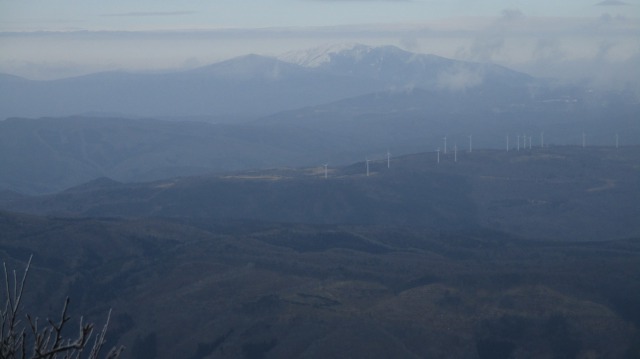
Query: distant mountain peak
{"x": 318, "y": 56}
{"x": 354, "y": 57}
{"x": 98, "y": 183}
{"x": 250, "y": 67}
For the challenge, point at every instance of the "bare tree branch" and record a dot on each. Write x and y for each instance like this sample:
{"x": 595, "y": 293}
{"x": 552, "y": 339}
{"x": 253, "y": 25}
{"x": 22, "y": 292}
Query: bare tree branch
{"x": 48, "y": 342}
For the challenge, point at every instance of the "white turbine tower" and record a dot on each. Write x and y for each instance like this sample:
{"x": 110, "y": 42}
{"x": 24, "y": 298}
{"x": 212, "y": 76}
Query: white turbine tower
{"x": 507, "y": 142}
{"x": 367, "y": 160}
{"x": 455, "y": 152}
{"x": 325, "y": 170}
{"x": 388, "y": 159}
{"x": 518, "y": 142}
{"x": 470, "y": 147}
{"x": 530, "y": 138}
{"x": 445, "y": 145}
{"x": 438, "y": 151}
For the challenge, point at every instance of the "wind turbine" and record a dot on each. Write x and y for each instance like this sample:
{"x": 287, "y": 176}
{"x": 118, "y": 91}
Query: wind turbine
{"x": 507, "y": 142}
{"x": 455, "y": 152}
{"x": 470, "y": 143}
{"x": 518, "y": 142}
{"x": 530, "y": 138}
{"x": 438, "y": 150}
{"x": 367, "y": 160}
{"x": 325, "y": 169}
{"x": 388, "y": 159}
{"x": 445, "y": 145}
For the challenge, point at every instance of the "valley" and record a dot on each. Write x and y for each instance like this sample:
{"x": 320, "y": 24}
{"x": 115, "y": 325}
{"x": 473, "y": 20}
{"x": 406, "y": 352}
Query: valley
{"x": 350, "y": 201}
{"x": 202, "y": 289}
{"x": 497, "y": 254}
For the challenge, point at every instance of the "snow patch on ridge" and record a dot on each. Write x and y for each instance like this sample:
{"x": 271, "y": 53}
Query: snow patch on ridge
{"x": 319, "y": 56}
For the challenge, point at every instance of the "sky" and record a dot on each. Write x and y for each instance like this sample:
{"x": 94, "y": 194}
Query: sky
{"x": 570, "y": 39}
{"x": 55, "y": 15}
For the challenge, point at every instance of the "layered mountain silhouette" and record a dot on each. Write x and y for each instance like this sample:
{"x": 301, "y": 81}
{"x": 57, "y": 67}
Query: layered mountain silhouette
{"x": 559, "y": 193}
{"x": 356, "y": 202}
{"x": 250, "y": 85}
{"x": 335, "y": 105}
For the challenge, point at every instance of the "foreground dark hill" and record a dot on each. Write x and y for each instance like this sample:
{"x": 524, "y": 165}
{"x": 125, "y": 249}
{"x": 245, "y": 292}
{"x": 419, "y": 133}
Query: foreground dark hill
{"x": 199, "y": 288}
{"x": 562, "y": 193}
{"x": 488, "y": 254}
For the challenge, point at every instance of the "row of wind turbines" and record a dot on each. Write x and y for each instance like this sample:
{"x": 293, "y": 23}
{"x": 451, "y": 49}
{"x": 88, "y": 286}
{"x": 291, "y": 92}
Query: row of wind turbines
{"x": 367, "y": 160}
{"x": 530, "y": 138}
{"x": 455, "y": 149}
{"x": 523, "y": 142}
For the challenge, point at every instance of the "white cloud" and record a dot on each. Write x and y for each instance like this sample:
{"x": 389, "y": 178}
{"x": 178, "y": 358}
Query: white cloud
{"x": 547, "y": 50}
{"x": 458, "y": 79}
{"x": 490, "y": 41}
{"x": 149, "y": 13}
{"x": 612, "y": 3}
{"x": 362, "y": 0}
{"x": 511, "y": 14}
{"x": 572, "y": 48}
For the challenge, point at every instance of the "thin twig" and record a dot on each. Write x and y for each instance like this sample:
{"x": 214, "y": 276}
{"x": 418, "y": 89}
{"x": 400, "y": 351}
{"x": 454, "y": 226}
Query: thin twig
{"x": 48, "y": 342}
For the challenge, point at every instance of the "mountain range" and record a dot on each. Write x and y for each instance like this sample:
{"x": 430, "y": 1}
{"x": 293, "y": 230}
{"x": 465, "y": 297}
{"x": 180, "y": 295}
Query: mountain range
{"x": 336, "y": 105}
{"x": 556, "y": 193}
{"x": 341, "y": 202}
{"x": 247, "y": 86}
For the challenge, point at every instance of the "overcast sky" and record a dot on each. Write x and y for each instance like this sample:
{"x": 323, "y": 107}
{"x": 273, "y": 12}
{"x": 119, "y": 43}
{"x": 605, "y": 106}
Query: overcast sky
{"x": 45, "y": 39}
{"x": 187, "y": 14}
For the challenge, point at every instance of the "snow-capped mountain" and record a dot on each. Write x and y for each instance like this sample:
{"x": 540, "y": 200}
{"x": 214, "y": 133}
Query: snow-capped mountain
{"x": 291, "y": 113}
{"x": 397, "y": 68}
{"x": 321, "y": 55}
{"x": 331, "y": 56}
{"x": 252, "y": 85}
